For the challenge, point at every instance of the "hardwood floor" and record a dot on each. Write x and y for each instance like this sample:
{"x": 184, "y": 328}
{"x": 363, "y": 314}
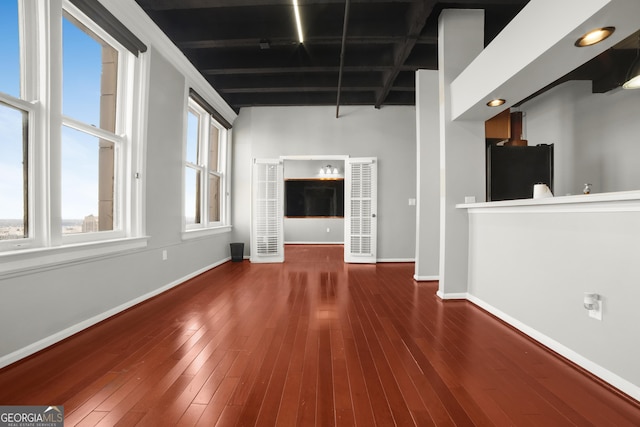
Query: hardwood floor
{"x": 311, "y": 342}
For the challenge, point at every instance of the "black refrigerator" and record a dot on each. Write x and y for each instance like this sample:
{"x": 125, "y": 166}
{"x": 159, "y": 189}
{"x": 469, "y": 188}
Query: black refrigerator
{"x": 512, "y": 171}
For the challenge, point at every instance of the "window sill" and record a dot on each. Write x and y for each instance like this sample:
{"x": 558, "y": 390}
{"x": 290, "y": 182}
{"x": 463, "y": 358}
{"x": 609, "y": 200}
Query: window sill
{"x": 205, "y": 232}
{"x": 27, "y": 261}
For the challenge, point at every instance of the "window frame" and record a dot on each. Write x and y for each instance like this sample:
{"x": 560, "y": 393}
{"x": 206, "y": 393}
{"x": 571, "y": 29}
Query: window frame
{"x": 40, "y": 35}
{"x": 30, "y": 239}
{"x": 206, "y": 120}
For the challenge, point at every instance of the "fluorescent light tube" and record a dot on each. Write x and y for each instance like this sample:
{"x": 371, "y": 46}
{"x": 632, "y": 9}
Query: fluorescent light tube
{"x": 298, "y": 23}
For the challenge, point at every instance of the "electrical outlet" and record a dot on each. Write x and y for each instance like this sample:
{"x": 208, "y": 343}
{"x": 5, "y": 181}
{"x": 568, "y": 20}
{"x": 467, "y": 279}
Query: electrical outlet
{"x": 164, "y": 254}
{"x": 412, "y": 202}
{"x": 328, "y": 230}
{"x": 596, "y": 313}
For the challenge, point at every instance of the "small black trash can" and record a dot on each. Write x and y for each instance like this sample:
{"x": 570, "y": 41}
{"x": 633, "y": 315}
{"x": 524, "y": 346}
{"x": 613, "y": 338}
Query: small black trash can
{"x": 237, "y": 252}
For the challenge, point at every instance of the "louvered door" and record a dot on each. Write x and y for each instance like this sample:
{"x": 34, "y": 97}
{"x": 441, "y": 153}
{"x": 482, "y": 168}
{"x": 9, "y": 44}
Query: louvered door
{"x": 267, "y": 234}
{"x": 360, "y": 234}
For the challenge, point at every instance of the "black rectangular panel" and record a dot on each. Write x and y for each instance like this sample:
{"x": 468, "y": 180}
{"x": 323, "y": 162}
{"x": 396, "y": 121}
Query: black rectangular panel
{"x": 513, "y": 171}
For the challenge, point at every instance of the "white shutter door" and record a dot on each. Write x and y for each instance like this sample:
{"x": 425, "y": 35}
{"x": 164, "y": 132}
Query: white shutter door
{"x": 361, "y": 186}
{"x": 267, "y": 234}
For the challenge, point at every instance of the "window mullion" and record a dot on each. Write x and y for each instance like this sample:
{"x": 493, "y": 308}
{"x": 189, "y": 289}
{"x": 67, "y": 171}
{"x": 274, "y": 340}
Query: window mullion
{"x": 49, "y": 138}
{"x": 18, "y": 103}
{"x": 91, "y": 130}
{"x": 204, "y": 161}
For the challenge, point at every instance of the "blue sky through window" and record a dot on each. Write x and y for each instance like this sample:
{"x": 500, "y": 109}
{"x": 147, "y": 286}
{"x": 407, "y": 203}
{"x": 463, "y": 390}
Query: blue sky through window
{"x": 81, "y": 72}
{"x": 9, "y": 48}
{"x": 11, "y": 173}
{"x": 79, "y": 174}
{"x": 11, "y": 194}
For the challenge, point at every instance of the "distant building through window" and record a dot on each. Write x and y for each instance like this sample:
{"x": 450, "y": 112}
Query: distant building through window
{"x": 91, "y": 224}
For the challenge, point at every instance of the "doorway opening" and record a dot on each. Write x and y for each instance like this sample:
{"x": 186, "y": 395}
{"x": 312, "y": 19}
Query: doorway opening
{"x": 356, "y": 228}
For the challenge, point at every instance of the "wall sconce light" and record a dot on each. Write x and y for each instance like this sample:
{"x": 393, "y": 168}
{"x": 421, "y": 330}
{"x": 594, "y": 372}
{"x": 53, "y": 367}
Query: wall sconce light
{"x": 633, "y": 75}
{"x": 329, "y": 170}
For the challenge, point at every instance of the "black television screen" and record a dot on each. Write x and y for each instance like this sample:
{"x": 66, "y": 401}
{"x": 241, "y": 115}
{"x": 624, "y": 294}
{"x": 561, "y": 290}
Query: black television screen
{"x": 314, "y": 197}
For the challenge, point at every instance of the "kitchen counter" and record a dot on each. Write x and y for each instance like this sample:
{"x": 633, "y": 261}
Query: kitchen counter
{"x": 615, "y": 201}
{"x": 531, "y": 261}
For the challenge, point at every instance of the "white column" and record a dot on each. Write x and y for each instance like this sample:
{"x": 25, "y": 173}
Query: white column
{"x": 462, "y": 158}
{"x": 428, "y": 176}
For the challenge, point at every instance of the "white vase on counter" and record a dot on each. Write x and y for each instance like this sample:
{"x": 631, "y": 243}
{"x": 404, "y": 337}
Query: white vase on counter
{"x": 541, "y": 191}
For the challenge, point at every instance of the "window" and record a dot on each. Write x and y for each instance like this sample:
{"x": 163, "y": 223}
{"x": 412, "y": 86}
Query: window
{"x": 205, "y": 150}
{"x": 67, "y": 118}
{"x": 14, "y": 222}
{"x": 16, "y": 113}
{"x": 90, "y": 69}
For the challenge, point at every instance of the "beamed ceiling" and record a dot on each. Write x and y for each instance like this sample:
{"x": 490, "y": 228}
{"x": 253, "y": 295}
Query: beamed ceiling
{"x": 250, "y": 53}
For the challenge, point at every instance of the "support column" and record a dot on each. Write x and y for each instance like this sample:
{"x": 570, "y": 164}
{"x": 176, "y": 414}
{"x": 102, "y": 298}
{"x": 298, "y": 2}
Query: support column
{"x": 462, "y": 157}
{"x": 428, "y": 176}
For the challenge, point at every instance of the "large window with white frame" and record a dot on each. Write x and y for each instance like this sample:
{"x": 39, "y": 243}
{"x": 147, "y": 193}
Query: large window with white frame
{"x": 204, "y": 174}
{"x": 67, "y": 151}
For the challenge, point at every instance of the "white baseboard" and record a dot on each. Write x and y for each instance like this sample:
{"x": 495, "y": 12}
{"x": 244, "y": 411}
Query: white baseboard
{"x": 78, "y": 327}
{"x": 426, "y": 278}
{"x": 395, "y": 260}
{"x": 452, "y": 295}
{"x": 597, "y": 370}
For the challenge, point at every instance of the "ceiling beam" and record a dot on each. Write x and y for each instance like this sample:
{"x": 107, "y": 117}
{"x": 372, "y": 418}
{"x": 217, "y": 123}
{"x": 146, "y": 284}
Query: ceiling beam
{"x": 210, "y": 4}
{"x": 284, "y": 70}
{"x": 342, "y": 50}
{"x": 298, "y": 89}
{"x": 286, "y": 41}
{"x": 213, "y": 4}
{"x": 417, "y": 14}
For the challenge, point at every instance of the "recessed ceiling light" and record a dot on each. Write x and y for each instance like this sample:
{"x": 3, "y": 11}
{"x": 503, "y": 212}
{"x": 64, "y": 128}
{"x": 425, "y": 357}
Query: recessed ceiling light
{"x": 594, "y": 36}
{"x": 496, "y": 102}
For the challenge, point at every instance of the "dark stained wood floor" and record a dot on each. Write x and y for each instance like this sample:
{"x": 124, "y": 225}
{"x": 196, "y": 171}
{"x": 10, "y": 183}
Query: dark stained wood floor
{"x": 311, "y": 342}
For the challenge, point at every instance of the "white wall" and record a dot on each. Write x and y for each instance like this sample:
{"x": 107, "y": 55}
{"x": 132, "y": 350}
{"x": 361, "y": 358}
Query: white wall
{"x": 43, "y": 306}
{"x": 596, "y": 136}
{"x": 388, "y": 134}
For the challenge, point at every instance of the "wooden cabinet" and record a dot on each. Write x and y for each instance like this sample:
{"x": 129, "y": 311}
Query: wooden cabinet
{"x": 499, "y": 126}
{"x": 505, "y": 126}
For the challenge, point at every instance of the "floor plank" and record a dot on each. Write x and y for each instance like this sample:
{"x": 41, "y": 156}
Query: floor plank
{"x": 310, "y": 342}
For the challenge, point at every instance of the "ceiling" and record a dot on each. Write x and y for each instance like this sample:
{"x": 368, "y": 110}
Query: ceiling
{"x": 250, "y": 53}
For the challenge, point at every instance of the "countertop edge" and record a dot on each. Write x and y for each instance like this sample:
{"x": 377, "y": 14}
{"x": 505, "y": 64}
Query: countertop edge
{"x": 618, "y": 196}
